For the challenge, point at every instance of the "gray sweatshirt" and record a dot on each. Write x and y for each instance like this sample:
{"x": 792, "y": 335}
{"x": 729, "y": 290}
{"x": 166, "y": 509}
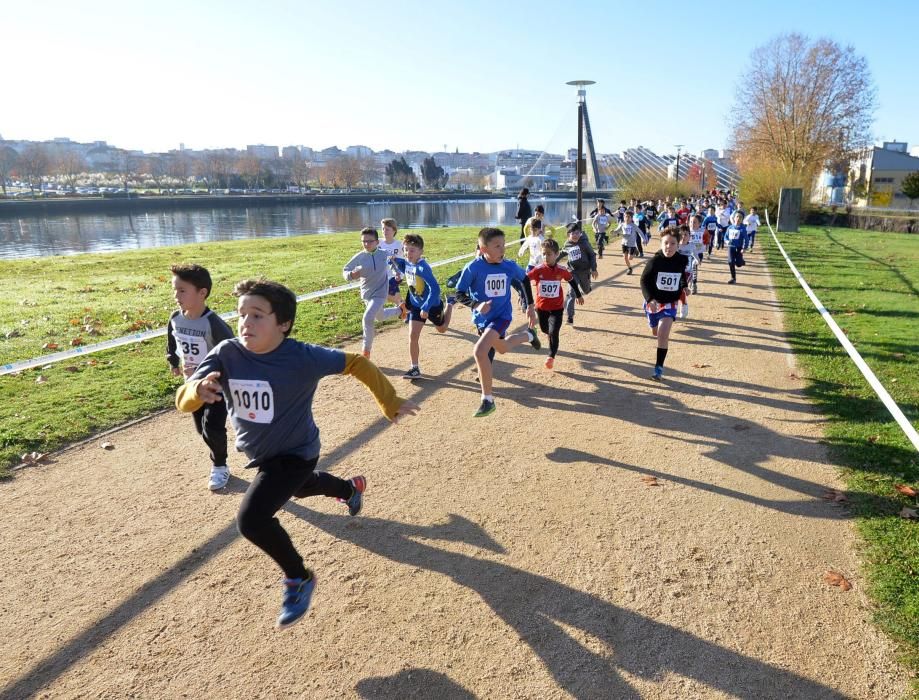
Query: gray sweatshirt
{"x": 374, "y": 273}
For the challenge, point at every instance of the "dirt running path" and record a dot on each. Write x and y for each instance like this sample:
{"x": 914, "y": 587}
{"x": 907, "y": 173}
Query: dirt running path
{"x": 519, "y": 556}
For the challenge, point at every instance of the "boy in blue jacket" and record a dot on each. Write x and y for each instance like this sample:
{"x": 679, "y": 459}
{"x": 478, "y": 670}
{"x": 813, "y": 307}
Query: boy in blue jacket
{"x": 423, "y": 302}
{"x": 736, "y": 238}
{"x": 485, "y": 286}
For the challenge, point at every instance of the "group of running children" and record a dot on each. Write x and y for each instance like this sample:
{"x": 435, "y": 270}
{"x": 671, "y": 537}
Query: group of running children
{"x": 266, "y": 380}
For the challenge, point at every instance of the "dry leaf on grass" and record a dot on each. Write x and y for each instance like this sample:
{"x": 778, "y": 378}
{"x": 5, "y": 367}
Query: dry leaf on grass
{"x": 71, "y": 368}
{"x": 835, "y": 579}
{"x": 909, "y": 514}
{"x": 76, "y": 341}
{"x": 49, "y": 346}
{"x": 650, "y": 480}
{"x": 906, "y": 490}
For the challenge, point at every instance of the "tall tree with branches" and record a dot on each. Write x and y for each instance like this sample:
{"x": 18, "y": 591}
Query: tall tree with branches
{"x": 801, "y": 105}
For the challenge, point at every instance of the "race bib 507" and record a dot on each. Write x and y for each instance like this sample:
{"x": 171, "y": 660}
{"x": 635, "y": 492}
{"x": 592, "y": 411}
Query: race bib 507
{"x": 550, "y": 289}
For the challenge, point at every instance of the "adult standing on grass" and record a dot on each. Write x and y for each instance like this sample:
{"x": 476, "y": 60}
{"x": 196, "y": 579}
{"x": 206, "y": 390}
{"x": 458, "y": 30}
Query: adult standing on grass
{"x": 524, "y": 210}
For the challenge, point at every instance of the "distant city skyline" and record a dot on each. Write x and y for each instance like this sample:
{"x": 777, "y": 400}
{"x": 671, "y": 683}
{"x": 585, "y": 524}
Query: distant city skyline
{"x": 482, "y": 77}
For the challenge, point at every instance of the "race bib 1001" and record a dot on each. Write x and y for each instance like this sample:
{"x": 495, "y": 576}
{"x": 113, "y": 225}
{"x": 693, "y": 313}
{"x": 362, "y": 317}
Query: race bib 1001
{"x": 253, "y": 400}
{"x": 550, "y": 289}
{"x": 668, "y": 281}
{"x": 574, "y": 254}
{"x": 496, "y": 285}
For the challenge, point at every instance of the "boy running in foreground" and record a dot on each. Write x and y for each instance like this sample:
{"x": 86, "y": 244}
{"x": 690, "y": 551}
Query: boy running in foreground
{"x": 268, "y": 381}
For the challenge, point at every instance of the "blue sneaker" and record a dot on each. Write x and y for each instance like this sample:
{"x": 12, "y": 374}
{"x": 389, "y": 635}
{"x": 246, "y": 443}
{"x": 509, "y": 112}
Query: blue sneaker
{"x": 658, "y": 373}
{"x": 451, "y": 300}
{"x": 356, "y": 502}
{"x": 297, "y": 595}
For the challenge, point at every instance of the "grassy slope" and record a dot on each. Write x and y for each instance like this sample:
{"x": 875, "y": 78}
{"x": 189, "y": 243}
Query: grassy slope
{"x": 870, "y": 283}
{"x": 55, "y": 299}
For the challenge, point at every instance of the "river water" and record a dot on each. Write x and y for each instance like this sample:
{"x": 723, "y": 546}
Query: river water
{"x": 27, "y": 237}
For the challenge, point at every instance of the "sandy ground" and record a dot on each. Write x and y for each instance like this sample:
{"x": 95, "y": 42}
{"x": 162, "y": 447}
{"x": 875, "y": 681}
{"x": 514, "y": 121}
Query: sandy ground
{"x": 519, "y": 556}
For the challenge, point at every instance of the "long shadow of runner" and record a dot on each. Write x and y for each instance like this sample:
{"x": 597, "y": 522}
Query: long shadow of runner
{"x": 536, "y": 607}
{"x": 413, "y": 683}
{"x": 46, "y": 670}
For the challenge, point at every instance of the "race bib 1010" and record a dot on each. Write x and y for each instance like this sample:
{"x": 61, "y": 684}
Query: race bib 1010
{"x": 253, "y": 400}
{"x": 574, "y": 254}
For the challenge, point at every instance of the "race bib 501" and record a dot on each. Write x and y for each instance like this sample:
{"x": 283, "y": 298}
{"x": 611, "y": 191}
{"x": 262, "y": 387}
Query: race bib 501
{"x": 668, "y": 281}
{"x": 253, "y": 400}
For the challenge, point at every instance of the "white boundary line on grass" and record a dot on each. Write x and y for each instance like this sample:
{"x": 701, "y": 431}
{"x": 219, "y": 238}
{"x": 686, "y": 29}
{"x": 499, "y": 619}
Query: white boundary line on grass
{"x": 22, "y": 365}
{"x": 863, "y": 367}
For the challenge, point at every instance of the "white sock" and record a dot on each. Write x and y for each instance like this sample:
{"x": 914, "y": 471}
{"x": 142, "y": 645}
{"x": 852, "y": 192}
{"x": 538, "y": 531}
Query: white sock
{"x": 489, "y": 397}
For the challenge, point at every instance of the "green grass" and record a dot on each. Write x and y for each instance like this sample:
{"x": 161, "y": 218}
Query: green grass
{"x": 54, "y": 300}
{"x": 870, "y": 283}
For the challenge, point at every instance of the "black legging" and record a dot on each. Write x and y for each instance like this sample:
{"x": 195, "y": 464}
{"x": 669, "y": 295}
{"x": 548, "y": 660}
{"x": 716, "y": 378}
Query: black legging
{"x": 550, "y": 322}
{"x": 211, "y": 424}
{"x": 641, "y": 251}
{"x": 277, "y": 480}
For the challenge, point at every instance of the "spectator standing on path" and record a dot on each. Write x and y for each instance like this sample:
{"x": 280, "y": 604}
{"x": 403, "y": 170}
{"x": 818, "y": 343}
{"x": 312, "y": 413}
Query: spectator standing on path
{"x": 524, "y": 210}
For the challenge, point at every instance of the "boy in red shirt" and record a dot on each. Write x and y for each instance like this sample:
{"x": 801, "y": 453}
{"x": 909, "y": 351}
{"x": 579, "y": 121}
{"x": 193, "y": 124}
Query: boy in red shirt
{"x": 550, "y": 298}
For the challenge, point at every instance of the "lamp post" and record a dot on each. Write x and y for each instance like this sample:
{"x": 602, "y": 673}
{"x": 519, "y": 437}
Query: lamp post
{"x": 678, "y": 147}
{"x": 581, "y": 165}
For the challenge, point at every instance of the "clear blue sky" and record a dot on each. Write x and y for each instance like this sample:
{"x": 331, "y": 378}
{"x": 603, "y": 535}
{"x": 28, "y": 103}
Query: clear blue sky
{"x": 468, "y": 74}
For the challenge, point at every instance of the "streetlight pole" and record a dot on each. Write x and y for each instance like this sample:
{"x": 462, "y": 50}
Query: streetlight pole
{"x": 678, "y": 147}
{"x": 580, "y": 166}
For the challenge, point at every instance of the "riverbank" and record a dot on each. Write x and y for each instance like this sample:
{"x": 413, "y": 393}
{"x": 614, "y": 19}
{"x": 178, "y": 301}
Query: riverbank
{"x": 150, "y": 203}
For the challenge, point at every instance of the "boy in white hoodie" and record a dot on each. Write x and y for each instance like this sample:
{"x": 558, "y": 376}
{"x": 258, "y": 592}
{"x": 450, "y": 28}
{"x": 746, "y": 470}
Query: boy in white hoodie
{"x": 371, "y": 267}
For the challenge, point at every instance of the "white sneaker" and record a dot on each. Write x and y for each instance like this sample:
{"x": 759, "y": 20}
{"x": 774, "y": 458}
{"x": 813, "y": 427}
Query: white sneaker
{"x": 219, "y": 478}
{"x": 684, "y": 311}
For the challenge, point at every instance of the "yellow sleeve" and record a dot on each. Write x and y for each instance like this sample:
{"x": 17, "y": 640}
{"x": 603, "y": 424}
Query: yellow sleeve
{"x": 526, "y": 229}
{"x": 370, "y": 376}
{"x": 187, "y": 399}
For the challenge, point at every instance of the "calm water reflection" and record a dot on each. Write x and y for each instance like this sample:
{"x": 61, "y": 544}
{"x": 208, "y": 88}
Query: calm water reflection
{"x": 66, "y": 235}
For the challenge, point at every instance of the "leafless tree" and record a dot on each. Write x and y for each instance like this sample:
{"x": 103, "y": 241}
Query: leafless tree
{"x": 801, "y": 105}
{"x": 300, "y": 171}
{"x": 33, "y": 164}
{"x": 8, "y": 159}
{"x": 179, "y": 167}
{"x": 69, "y": 165}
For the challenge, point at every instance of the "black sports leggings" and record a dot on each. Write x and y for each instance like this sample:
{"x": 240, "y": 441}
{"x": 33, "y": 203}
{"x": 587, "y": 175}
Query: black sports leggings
{"x": 211, "y": 424}
{"x": 550, "y": 322}
{"x": 277, "y": 480}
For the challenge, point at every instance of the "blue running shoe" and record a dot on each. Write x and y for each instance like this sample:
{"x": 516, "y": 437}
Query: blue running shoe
{"x": 658, "y": 373}
{"x": 297, "y": 595}
{"x": 356, "y": 502}
{"x": 486, "y": 409}
{"x": 451, "y": 300}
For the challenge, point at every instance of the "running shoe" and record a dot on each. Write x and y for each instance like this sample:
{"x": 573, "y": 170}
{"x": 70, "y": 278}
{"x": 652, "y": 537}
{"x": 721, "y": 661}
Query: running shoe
{"x": 451, "y": 300}
{"x": 629, "y": 272}
{"x": 413, "y": 373}
{"x": 366, "y": 353}
{"x": 570, "y": 319}
{"x": 452, "y": 281}
{"x": 695, "y": 287}
{"x": 356, "y": 501}
{"x": 220, "y": 475}
{"x": 534, "y": 339}
{"x": 658, "y": 373}
{"x": 550, "y": 361}
{"x": 486, "y": 409}
{"x": 684, "y": 311}
{"x": 297, "y": 595}
{"x": 732, "y": 281}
